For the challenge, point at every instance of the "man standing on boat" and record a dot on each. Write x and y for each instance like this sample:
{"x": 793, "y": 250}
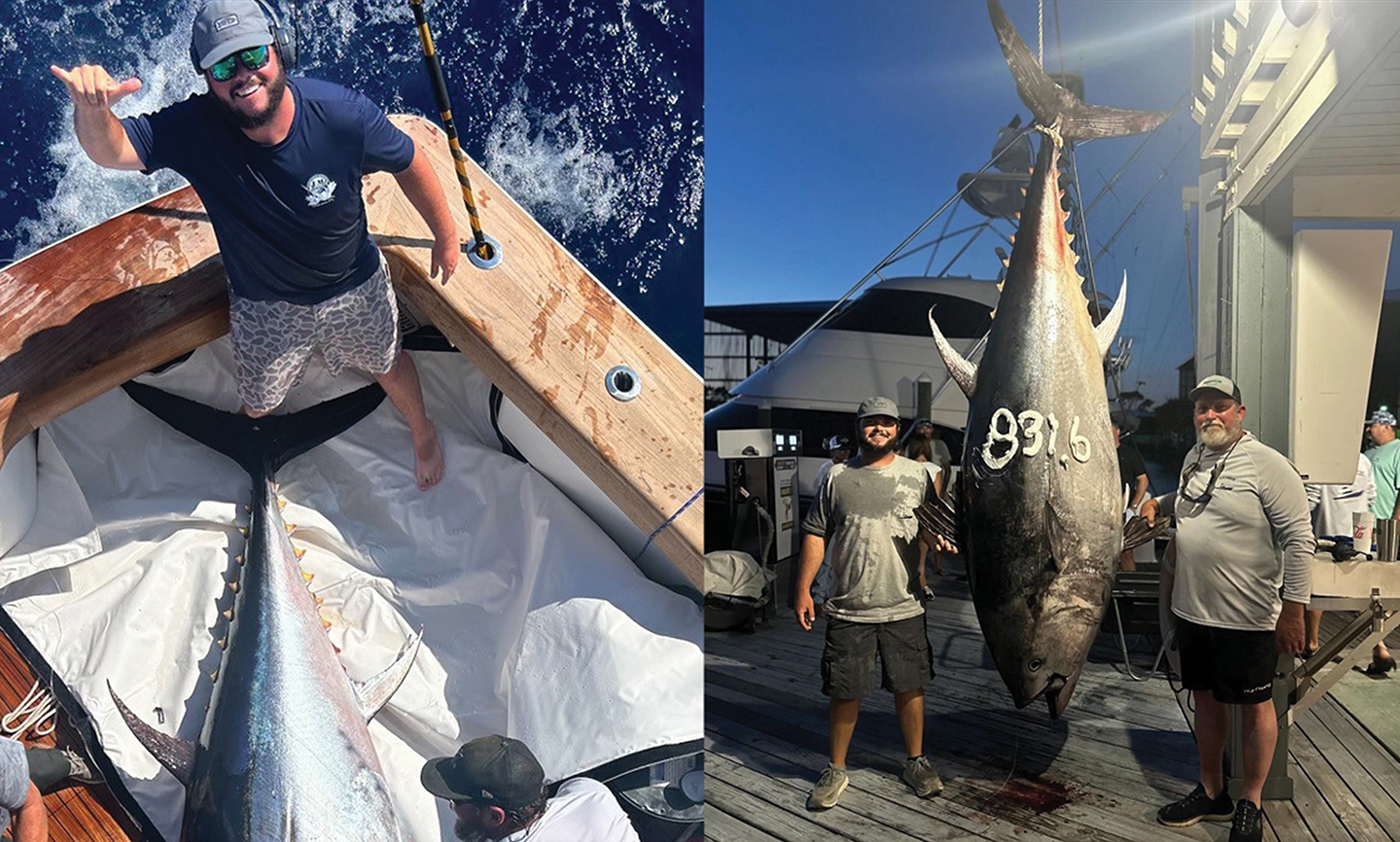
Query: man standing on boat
{"x": 277, "y": 162}
{"x": 865, "y": 510}
{"x": 1242, "y": 533}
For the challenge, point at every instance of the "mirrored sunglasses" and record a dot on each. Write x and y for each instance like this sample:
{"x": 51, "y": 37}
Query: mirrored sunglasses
{"x": 254, "y": 58}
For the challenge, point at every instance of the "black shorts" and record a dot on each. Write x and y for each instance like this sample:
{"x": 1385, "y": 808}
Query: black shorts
{"x": 1236, "y": 666}
{"x": 848, "y": 660}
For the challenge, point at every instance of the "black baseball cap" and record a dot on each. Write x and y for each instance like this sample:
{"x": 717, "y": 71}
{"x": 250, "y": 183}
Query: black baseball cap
{"x": 493, "y": 769}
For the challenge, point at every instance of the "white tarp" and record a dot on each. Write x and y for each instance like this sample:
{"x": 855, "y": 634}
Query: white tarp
{"x": 536, "y": 624}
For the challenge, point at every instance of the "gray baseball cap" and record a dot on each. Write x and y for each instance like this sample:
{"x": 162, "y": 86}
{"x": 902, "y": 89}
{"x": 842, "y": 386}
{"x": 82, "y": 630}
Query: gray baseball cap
{"x": 877, "y": 406}
{"x": 1217, "y": 383}
{"x": 223, "y": 27}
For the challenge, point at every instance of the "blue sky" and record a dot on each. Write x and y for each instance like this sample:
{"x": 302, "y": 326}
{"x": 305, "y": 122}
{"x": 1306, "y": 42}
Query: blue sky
{"x": 834, "y": 128}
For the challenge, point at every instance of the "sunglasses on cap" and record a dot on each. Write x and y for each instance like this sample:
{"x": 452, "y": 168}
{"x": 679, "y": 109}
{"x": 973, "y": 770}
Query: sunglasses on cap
{"x": 254, "y": 58}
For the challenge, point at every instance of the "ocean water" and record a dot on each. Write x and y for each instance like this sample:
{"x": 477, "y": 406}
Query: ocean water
{"x": 588, "y": 113}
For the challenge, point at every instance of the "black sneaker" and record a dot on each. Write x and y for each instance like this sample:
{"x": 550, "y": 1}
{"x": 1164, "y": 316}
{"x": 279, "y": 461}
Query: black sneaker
{"x": 1197, "y": 807}
{"x": 1249, "y": 823}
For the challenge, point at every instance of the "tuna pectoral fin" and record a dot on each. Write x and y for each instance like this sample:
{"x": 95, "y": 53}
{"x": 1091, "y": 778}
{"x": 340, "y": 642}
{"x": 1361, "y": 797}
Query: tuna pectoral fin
{"x": 1107, "y": 330}
{"x": 962, "y": 371}
{"x": 940, "y": 518}
{"x": 174, "y": 754}
{"x": 373, "y": 694}
{"x": 1137, "y": 532}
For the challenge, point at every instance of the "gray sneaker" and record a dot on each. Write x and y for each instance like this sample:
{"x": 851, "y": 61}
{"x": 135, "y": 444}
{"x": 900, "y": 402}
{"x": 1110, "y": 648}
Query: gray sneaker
{"x": 828, "y": 789}
{"x": 919, "y": 774}
{"x": 82, "y": 770}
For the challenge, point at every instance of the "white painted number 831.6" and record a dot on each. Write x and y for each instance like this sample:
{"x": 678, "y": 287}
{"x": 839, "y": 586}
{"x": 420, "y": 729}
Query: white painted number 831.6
{"x": 1007, "y": 430}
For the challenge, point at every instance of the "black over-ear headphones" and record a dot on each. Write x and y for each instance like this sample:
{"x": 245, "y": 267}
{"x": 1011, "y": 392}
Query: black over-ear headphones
{"x": 284, "y": 41}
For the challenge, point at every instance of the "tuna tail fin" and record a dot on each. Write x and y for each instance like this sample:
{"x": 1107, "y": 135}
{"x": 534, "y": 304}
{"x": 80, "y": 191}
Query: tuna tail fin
{"x": 962, "y": 371}
{"x": 1052, "y": 104}
{"x": 174, "y": 754}
{"x": 374, "y": 693}
{"x": 258, "y": 444}
{"x": 1107, "y": 330}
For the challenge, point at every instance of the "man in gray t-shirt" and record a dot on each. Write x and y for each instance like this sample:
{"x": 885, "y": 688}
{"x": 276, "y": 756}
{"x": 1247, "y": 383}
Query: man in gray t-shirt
{"x": 864, "y": 511}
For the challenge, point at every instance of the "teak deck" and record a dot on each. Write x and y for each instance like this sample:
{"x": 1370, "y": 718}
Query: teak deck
{"x": 78, "y": 813}
{"x": 83, "y": 315}
{"x": 1121, "y": 750}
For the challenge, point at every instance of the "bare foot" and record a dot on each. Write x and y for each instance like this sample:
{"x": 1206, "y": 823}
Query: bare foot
{"x": 427, "y": 458}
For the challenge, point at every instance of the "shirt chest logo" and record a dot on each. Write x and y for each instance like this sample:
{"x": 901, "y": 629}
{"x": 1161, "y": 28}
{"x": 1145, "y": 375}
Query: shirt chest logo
{"x": 319, "y": 190}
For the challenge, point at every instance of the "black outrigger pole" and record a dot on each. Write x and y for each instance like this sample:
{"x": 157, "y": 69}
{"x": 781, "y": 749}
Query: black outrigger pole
{"x": 484, "y": 252}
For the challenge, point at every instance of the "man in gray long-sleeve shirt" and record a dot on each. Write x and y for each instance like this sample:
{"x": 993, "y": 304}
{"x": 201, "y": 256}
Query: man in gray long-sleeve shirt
{"x": 1242, "y": 532}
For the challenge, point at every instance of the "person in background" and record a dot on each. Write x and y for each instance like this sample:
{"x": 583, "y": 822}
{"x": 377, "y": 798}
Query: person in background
{"x": 496, "y": 789}
{"x": 1132, "y": 474}
{"x": 1385, "y": 467}
{"x": 921, "y": 451}
{"x": 1333, "y": 507}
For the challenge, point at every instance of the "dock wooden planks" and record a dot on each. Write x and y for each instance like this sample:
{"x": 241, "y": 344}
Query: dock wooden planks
{"x": 1099, "y": 775}
{"x": 87, "y": 313}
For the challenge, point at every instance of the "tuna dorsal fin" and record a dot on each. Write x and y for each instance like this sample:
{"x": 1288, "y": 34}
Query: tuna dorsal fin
{"x": 1107, "y": 329}
{"x": 372, "y": 694}
{"x": 962, "y": 371}
{"x": 174, "y": 754}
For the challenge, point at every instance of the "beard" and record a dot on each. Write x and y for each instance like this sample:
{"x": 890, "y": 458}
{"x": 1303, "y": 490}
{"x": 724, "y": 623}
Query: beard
{"x": 276, "y": 89}
{"x": 468, "y": 832}
{"x": 1216, "y": 435}
{"x": 877, "y": 451}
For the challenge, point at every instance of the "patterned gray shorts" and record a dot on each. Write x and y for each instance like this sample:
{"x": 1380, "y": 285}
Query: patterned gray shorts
{"x": 273, "y": 340}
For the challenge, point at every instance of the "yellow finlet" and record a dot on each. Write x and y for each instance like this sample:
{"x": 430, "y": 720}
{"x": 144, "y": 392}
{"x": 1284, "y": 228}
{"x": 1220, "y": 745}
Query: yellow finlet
{"x": 307, "y": 576}
{"x": 223, "y": 642}
{"x": 299, "y": 552}
{"x": 228, "y": 614}
{"x": 214, "y": 676}
{"x": 233, "y": 585}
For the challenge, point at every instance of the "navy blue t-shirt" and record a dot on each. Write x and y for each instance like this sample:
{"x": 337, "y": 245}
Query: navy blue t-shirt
{"x": 289, "y": 218}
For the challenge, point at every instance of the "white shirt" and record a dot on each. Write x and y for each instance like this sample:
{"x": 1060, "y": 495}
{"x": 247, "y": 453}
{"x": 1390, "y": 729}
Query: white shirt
{"x": 583, "y": 810}
{"x": 1333, "y": 505}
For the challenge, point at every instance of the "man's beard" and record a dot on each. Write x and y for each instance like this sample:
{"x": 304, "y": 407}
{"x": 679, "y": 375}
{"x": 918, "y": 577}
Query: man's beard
{"x": 468, "y": 833}
{"x": 876, "y": 451}
{"x": 276, "y": 89}
{"x": 1216, "y": 437}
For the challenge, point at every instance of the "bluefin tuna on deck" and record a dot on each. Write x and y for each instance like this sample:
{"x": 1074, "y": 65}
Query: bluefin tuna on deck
{"x": 284, "y": 752}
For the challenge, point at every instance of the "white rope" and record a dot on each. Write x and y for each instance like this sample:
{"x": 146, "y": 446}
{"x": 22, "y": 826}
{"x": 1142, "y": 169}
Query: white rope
{"x": 1040, "y": 9}
{"x": 38, "y": 706}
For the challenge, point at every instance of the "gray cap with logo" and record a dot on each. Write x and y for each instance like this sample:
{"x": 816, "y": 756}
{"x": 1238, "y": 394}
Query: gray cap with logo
{"x": 877, "y": 406}
{"x": 1217, "y": 383}
{"x": 223, "y": 27}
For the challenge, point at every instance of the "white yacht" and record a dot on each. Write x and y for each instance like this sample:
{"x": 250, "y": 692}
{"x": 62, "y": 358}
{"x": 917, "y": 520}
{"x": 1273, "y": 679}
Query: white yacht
{"x": 876, "y": 344}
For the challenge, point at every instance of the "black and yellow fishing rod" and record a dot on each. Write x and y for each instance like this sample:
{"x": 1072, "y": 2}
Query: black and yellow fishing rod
{"x": 484, "y": 251}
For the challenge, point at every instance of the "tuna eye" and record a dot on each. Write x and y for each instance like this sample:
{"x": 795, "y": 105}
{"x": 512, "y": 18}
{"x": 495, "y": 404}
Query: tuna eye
{"x": 1035, "y": 664}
